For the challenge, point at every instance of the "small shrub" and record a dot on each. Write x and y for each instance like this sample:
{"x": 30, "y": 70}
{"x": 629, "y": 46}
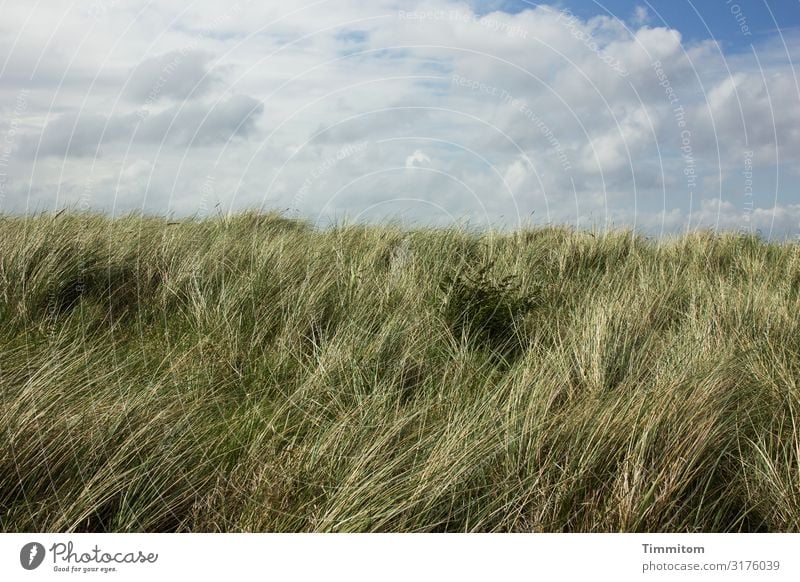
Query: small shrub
{"x": 485, "y": 308}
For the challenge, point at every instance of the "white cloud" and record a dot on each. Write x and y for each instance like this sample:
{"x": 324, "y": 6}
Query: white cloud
{"x": 418, "y": 158}
{"x": 516, "y": 174}
{"x": 640, "y": 16}
{"x": 259, "y": 95}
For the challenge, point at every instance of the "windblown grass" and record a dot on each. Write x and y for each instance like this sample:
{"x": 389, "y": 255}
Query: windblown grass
{"x": 255, "y": 374}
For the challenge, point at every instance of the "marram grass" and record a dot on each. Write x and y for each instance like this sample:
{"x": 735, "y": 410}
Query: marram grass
{"x": 255, "y": 374}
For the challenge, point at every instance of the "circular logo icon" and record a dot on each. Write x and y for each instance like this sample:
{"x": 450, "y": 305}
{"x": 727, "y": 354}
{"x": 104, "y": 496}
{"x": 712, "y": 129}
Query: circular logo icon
{"x": 31, "y": 555}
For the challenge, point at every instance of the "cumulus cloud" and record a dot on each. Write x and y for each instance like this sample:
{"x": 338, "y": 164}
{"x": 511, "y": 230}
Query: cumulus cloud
{"x": 586, "y": 121}
{"x": 203, "y": 123}
{"x": 90, "y": 134}
{"x": 418, "y": 158}
{"x": 640, "y": 16}
{"x": 176, "y": 75}
{"x": 78, "y": 134}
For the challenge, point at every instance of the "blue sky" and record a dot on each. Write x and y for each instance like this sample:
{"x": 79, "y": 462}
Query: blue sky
{"x": 500, "y": 113}
{"x": 696, "y": 20}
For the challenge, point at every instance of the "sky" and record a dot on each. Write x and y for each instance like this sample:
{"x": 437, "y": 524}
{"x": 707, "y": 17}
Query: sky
{"x": 657, "y": 116}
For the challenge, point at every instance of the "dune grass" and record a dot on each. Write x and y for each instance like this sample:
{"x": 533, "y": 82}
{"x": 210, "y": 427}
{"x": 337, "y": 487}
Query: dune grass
{"x": 255, "y": 374}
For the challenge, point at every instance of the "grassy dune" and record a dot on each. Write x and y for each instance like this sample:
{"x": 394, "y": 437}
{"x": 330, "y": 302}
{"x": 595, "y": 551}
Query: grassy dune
{"x": 256, "y": 374}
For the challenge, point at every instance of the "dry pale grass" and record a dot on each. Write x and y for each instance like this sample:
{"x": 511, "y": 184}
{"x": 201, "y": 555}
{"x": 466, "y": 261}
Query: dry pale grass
{"x": 254, "y": 374}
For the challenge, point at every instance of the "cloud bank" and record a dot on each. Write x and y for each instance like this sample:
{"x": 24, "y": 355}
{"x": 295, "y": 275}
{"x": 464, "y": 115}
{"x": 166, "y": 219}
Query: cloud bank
{"x": 429, "y": 112}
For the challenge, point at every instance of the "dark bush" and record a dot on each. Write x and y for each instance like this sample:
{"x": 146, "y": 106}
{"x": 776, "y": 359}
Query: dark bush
{"x": 484, "y": 308}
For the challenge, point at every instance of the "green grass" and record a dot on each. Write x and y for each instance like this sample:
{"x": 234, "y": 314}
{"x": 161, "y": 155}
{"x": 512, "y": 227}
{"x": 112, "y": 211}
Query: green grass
{"x": 256, "y": 374}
